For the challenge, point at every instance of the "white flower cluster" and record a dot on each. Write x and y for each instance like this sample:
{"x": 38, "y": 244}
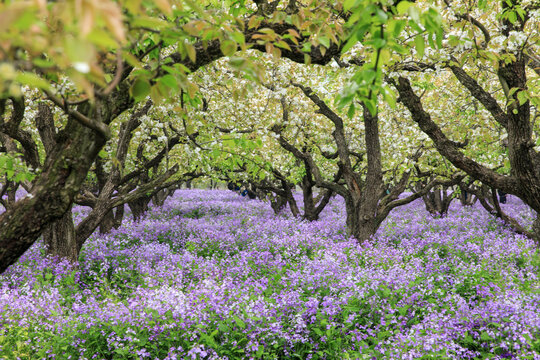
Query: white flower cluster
{"x": 514, "y": 42}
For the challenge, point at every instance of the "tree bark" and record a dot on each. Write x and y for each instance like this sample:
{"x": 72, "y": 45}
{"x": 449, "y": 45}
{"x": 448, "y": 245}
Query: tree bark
{"x": 361, "y": 224}
{"x": 52, "y": 194}
{"x": 112, "y": 220}
{"x": 59, "y": 238}
{"x": 437, "y": 201}
{"x": 278, "y": 203}
{"x": 466, "y": 198}
{"x": 139, "y": 207}
{"x": 159, "y": 198}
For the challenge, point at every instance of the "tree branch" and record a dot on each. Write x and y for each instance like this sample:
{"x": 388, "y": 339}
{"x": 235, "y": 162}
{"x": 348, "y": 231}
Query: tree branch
{"x": 97, "y": 126}
{"x": 445, "y": 146}
{"x": 479, "y": 93}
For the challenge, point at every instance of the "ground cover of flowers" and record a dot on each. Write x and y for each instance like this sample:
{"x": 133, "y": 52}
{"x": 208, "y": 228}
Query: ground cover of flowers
{"x": 212, "y": 275}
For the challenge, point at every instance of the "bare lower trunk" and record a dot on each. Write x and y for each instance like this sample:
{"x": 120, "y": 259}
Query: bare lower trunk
{"x": 112, "y": 220}
{"x": 309, "y": 205}
{"x": 290, "y": 199}
{"x": 159, "y": 198}
{"x": 312, "y": 212}
{"x": 59, "y": 238}
{"x": 278, "y": 203}
{"x": 139, "y": 207}
{"x": 360, "y": 224}
{"x": 466, "y": 198}
{"x": 438, "y": 201}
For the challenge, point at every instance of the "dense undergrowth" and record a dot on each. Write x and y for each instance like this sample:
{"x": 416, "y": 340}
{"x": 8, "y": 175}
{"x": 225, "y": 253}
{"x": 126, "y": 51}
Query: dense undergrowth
{"x": 212, "y": 275}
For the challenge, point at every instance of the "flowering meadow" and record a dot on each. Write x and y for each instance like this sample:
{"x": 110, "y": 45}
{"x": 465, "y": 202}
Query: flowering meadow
{"x": 212, "y": 275}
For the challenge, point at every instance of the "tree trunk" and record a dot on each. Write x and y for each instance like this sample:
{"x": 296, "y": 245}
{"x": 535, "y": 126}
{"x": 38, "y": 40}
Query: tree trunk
{"x": 139, "y": 207}
{"x": 159, "y": 198}
{"x": 310, "y": 213}
{"x": 466, "y": 198}
{"x": 278, "y": 203}
{"x": 287, "y": 188}
{"x": 112, "y": 220}
{"x": 59, "y": 238}
{"x": 52, "y": 194}
{"x": 293, "y": 206}
{"x": 361, "y": 222}
{"x": 106, "y": 223}
{"x": 365, "y": 216}
{"x": 437, "y": 201}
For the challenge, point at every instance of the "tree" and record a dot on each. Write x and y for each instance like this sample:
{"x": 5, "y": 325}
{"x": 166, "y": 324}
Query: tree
{"x": 517, "y": 91}
{"x": 366, "y": 200}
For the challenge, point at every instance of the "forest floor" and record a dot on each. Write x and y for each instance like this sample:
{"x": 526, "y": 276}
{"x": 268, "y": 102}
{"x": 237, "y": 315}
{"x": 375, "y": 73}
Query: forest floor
{"x": 213, "y": 275}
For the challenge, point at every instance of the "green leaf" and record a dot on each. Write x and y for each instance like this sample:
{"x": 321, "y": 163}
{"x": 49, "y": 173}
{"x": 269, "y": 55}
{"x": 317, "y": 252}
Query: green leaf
{"x": 414, "y": 13}
{"x": 102, "y": 38}
{"x": 140, "y": 89}
{"x": 237, "y": 62}
{"x": 32, "y": 80}
{"x": 323, "y": 40}
{"x": 169, "y": 81}
{"x": 349, "y": 4}
{"x": 485, "y": 336}
{"x": 43, "y": 63}
{"x": 522, "y": 97}
{"x": 191, "y": 52}
{"x": 238, "y": 37}
{"x": 379, "y": 43}
{"x": 371, "y": 106}
{"x": 403, "y": 310}
{"x": 149, "y": 22}
{"x": 228, "y": 47}
{"x": 260, "y": 351}
{"x": 420, "y": 45}
{"x": 512, "y": 17}
{"x": 396, "y": 27}
{"x": 239, "y": 322}
{"x": 351, "y": 111}
{"x": 403, "y": 6}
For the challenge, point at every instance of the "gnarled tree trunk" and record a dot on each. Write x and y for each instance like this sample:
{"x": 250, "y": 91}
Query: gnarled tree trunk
{"x": 314, "y": 205}
{"x": 466, "y": 198}
{"x": 367, "y": 202}
{"x": 53, "y": 192}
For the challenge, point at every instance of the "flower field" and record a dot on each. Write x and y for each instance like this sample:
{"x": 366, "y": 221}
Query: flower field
{"x": 212, "y": 275}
